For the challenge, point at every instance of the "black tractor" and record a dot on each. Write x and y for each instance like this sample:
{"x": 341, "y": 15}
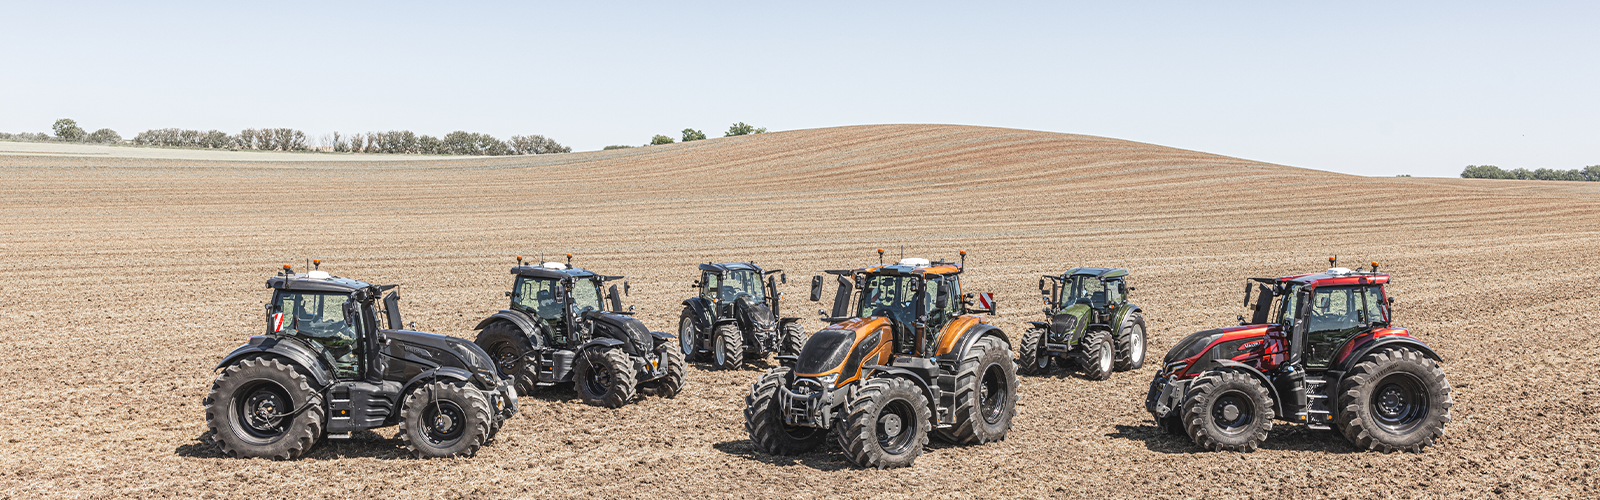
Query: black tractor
{"x": 559, "y": 330}
{"x": 735, "y": 316}
{"x": 325, "y": 367}
{"x": 1091, "y": 323}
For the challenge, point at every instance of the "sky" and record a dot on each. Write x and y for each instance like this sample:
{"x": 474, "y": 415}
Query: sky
{"x": 1369, "y": 88}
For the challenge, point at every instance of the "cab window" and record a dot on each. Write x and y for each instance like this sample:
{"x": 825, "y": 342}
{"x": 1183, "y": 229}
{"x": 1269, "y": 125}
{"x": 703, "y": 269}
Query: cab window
{"x": 320, "y": 318}
{"x": 1335, "y": 314}
{"x": 538, "y": 295}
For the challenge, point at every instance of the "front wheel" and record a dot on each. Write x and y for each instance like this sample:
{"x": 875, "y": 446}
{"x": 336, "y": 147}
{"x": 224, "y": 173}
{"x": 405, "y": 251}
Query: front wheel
{"x": 688, "y": 336}
{"x": 764, "y": 422}
{"x": 1131, "y": 342}
{"x": 603, "y": 376}
{"x": 1394, "y": 400}
{"x": 1227, "y": 411}
{"x": 445, "y": 419}
{"x": 1031, "y": 356}
{"x": 263, "y": 408}
{"x": 1096, "y": 354}
{"x": 793, "y": 339}
{"x": 727, "y": 346}
{"x": 886, "y": 424}
{"x": 669, "y": 385}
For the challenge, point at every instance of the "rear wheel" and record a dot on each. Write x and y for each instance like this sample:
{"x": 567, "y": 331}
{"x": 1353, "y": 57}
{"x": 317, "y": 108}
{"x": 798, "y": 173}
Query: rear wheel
{"x": 508, "y": 346}
{"x": 688, "y": 336}
{"x": 763, "y": 419}
{"x": 445, "y": 419}
{"x": 886, "y": 424}
{"x": 603, "y": 376}
{"x": 1227, "y": 411}
{"x": 727, "y": 347}
{"x": 669, "y": 385}
{"x": 986, "y": 394}
{"x": 1131, "y": 342}
{"x": 1096, "y": 355}
{"x": 251, "y": 410}
{"x": 793, "y": 339}
{"x": 1031, "y": 356}
{"x": 1394, "y": 400}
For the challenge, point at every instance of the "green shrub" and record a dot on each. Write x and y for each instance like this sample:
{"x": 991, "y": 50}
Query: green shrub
{"x": 619, "y": 146}
{"x": 67, "y": 130}
{"x": 105, "y": 136}
{"x": 690, "y": 134}
{"x": 660, "y": 139}
{"x": 742, "y": 128}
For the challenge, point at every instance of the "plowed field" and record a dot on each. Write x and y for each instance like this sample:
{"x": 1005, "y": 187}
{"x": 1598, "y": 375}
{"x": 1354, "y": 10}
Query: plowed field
{"x": 125, "y": 280}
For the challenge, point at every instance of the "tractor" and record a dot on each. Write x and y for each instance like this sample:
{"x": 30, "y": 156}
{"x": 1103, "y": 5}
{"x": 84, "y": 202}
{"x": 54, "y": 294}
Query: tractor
{"x": 558, "y": 329}
{"x": 1091, "y": 322}
{"x": 325, "y": 367}
{"x": 1319, "y": 349}
{"x": 902, "y": 357}
{"x": 735, "y": 316}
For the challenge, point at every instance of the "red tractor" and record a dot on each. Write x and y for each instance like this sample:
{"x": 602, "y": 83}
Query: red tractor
{"x": 1320, "y": 349}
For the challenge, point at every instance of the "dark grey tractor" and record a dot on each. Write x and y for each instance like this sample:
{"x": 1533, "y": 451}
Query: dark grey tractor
{"x": 735, "y": 316}
{"x": 558, "y": 330}
{"x": 325, "y": 367}
{"x": 1090, "y": 323}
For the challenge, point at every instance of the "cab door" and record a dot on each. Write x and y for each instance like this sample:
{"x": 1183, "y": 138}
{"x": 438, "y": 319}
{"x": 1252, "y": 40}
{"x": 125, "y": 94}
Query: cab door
{"x": 1336, "y": 314}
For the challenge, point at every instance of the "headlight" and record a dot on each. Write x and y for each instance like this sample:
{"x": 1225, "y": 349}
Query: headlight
{"x": 827, "y": 380}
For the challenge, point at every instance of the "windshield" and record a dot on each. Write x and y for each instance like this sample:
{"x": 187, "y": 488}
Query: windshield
{"x": 1084, "y": 287}
{"x": 539, "y": 296}
{"x": 727, "y": 288}
{"x": 892, "y": 296}
{"x": 1287, "y": 307}
{"x": 586, "y": 294}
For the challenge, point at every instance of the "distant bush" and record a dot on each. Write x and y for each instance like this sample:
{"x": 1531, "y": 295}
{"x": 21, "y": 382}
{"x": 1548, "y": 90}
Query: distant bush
{"x": 105, "y": 136}
{"x": 690, "y": 134}
{"x": 535, "y": 145}
{"x": 26, "y": 136}
{"x": 67, "y": 130}
{"x": 1590, "y": 173}
{"x": 619, "y": 146}
{"x": 743, "y": 129}
{"x": 1403, "y": 175}
{"x": 660, "y": 139}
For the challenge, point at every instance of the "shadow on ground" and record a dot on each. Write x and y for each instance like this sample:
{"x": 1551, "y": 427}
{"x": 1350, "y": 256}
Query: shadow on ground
{"x": 361, "y": 444}
{"x": 1284, "y": 437}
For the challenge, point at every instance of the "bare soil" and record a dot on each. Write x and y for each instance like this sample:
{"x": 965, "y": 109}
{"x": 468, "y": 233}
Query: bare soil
{"x": 127, "y": 279}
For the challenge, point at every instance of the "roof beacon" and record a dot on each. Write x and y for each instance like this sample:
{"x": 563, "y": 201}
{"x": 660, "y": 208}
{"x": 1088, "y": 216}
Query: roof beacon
{"x": 880, "y": 256}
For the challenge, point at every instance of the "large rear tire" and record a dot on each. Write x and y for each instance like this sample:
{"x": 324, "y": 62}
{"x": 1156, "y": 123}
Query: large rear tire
{"x": 688, "y": 336}
{"x": 763, "y": 419}
{"x": 727, "y": 347}
{"x": 251, "y": 410}
{"x": 445, "y": 419}
{"x": 1097, "y": 355}
{"x": 604, "y": 376}
{"x": 1131, "y": 343}
{"x": 508, "y": 347}
{"x": 1226, "y": 410}
{"x": 794, "y": 338}
{"x": 671, "y": 384}
{"x": 1395, "y": 399}
{"x": 986, "y": 394}
{"x": 1031, "y": 356}
{"x": 885, "y": 424}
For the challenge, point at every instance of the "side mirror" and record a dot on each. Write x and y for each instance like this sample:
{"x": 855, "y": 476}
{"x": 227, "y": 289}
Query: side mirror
{"x": 508, "y": 294}
{"x": 626, "y": 287}
{"x": 1041, "y": 285}
{"x": 413, "y": 326}
{"x": 696, "y": 285}
{"x": 616, "y": 300}
{"x": 942, "y": 302}
{"x": 783, "y": 278}
{"x": 816, "y": 289}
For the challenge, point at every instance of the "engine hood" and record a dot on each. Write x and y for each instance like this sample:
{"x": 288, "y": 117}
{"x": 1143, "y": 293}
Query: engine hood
{"x": 756, "y": 315}
{"x": 1196, "y": 342}
{"x": 441, "y": 350}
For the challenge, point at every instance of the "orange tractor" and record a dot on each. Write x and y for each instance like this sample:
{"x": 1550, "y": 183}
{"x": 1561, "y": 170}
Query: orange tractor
{"x": 902, "y": 358}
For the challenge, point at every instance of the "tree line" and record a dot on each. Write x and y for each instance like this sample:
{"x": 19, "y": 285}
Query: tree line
{"x": 690, "y": 134}
{"x": 1590, "y": 173}
{"x": 285, "y": 139}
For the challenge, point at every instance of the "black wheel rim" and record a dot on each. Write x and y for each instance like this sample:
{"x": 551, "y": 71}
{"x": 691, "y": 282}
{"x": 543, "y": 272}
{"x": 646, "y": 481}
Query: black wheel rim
{"x": 444, "y": 421}
{"x": 599, "y": 379}
{"x": 259, "y": 412}
{"x": 686, "y": 336}
{"x": 1233, "y": 412}
{"x": 1400, "y": 403}
{"x": 506, "y": 359}
{"x": 993, "y": 393}
{"x": 897, "y": 427}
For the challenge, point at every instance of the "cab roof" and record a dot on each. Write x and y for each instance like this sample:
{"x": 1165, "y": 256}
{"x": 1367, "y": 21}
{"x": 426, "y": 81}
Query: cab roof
{"x": 722, "y": 267}
{"x": 1098, "y": 272}
{"x": 316, "y": 281}
{"x": 1337, "y": 276}
{"x": 556, "y": 271}
{"x": 914, "y": 267}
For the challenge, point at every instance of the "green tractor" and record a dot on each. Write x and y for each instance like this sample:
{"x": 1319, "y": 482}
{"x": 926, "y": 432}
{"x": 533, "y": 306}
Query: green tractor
{"x": 1090, "y": 322}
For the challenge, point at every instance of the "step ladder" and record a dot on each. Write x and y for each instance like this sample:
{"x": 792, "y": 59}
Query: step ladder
{"x": 1319, "y": 408}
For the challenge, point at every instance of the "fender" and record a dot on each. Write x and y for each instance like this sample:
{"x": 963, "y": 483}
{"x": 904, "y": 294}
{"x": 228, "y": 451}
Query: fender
{"x": 1127, "y": 309}
{"x": 446, "y": 372}
{"x": 295, "y": 352}
{"x": 700, "y": 311}
{"x": 523, "y": 321}
{"x": 1277, "y": 402}
{"x": 602, "y": 341}
{"x": 973, "y": 334}
{"x": 787, "y": 319}
{"x": 1040, "y": 324}
{"x": 927, "y": 392}
{"x": 663, "y": 336}
{"x": 1402, "y": 341}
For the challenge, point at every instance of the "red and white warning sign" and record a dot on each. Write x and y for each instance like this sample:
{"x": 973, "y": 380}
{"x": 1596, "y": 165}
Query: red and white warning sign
{"x": 986, "y": 300}
{"x": 277, "y": 322}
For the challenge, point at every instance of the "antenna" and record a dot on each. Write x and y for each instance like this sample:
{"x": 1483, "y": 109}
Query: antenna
{"x": 902, "y": 252}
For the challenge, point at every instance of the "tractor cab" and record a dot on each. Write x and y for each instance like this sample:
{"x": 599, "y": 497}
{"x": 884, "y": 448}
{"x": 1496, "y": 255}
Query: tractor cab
{"x": 564, "y": 298}
{"x": 335, "y": 315}
{"x": 1316, "y": 314}
{"x": 917, "y": 297}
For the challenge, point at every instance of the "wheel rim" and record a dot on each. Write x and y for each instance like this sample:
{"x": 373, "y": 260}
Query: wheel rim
{"x": 1400, "y": 403}
{"x": 1105, "y": 356}
{"x": 721, "y": 351}
{"x": 599, "y": 379}
{"x": 444, "y": 421}
{"x": 1233, "y": 412}
{"x": 1137, "y": 354}
{"x": 686, "y": 336}
{"x": 993, "y": 393}
{"x": 897, "y": 427}
{"x": 260, "y": 412}
{"x": 507, "y": 359}
{"x": 1042, "y": 359}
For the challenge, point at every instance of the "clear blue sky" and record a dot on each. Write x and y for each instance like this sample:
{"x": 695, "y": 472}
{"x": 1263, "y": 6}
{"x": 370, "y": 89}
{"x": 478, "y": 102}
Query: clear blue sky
{"x": 1374, "y": 88}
